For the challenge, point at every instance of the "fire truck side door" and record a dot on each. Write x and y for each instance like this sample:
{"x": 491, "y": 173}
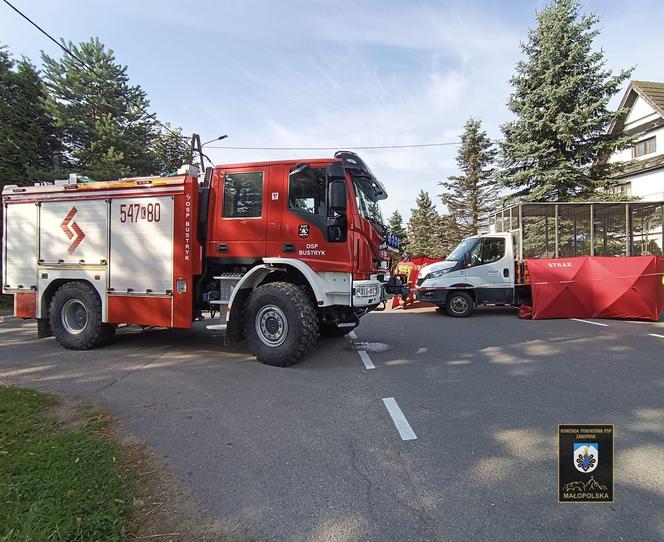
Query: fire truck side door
{"x": 306, "y": 233}
{"x": 239, "y": 230}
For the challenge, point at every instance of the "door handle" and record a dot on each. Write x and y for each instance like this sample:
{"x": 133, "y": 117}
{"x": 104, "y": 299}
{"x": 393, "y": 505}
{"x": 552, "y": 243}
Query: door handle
{"x": 289, "y": 248}
{"x": 222, "y": 247}
{"x": 506, "y": 272}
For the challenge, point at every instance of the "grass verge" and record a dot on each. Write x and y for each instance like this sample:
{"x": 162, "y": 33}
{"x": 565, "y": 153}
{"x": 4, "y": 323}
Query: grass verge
{"x": 57, "y": 483}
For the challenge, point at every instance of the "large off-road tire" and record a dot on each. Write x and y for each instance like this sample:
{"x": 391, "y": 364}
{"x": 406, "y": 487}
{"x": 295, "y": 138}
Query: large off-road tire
{"x": 459, "y": 304}
{"x": 331, "y": 330}
{"x": 280, "y": 323}
{"x": 75, "y": 317}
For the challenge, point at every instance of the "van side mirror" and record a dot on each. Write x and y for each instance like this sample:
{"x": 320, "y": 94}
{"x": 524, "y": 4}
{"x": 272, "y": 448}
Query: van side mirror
{"x": 337, "y": 195}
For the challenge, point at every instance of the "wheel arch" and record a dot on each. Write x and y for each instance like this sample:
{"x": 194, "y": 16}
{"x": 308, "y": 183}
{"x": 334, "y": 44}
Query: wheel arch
{"x": 282, "y": 271}
{"x": 54, "y": 286}
{"x": 467, "y": 288}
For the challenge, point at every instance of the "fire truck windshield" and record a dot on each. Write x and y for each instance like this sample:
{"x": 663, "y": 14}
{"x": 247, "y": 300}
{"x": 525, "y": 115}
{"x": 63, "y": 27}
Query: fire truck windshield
{"x": 368, "y": 209}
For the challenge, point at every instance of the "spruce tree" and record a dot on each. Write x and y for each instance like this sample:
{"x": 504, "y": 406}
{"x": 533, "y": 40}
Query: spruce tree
{"x": 448, "y": 234}
{"x": 395, "y": 227}
{"x": 560, "y": 100}
{"x": 424, "y": 237}
{"x": 472, "y": 195}
{"x": 28, "y": 137}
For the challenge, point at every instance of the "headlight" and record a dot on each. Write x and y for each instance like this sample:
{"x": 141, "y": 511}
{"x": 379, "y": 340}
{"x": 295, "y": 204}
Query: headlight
{"x": 436, "y": 274}
{"x": 367, "y": 290}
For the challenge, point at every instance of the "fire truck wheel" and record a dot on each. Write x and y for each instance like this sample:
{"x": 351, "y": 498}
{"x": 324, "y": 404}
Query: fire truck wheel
{"x": 75, "y": 317}
{"x": 331, "y": 330}
{"x": 280, "y": 324}
{"x": 459, "y": 304}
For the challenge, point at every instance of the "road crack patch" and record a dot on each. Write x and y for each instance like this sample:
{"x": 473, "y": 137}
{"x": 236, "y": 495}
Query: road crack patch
{"x": 134, "y": 370}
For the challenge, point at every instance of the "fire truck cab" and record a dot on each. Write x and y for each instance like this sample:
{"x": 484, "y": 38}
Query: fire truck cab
{"x": 280, "y": 251}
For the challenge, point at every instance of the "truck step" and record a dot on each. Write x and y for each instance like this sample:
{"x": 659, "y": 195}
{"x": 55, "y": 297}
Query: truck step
{"x": 229, "y": 276}
{"x": 217, "y": 327}
{"x": 227, "y": 284}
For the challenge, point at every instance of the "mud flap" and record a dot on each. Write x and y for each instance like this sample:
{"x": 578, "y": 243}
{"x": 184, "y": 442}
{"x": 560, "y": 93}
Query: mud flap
{"x": 43, "y": 328}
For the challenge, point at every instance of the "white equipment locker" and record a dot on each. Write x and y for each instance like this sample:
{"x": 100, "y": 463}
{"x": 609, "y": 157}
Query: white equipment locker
{"x": 73, "y": 232}
{"x": 141, "y": 245}
{"x": 20, "y": 266}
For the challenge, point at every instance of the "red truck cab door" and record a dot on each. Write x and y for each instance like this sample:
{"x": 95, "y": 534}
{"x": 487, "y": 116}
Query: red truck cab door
{"x": 238, "y": 230}
{"x": 305, "y": 230}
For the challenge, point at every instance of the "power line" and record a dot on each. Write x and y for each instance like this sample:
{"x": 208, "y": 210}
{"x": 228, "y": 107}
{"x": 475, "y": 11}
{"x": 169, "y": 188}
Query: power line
{"x": 68, "y": 51}
{"x": 359, "y": 147}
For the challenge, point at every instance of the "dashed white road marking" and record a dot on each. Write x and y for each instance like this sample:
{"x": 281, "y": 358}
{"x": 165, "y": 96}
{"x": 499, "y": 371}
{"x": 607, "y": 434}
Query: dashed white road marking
{"x": 368, "y": 364}
{"x": 589, "y": 322}
{"x": 400, "y": 421}
{"x": 656, "y": 335}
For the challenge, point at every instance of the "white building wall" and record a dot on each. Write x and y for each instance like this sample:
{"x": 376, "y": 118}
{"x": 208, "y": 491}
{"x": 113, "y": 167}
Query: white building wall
{"x": 649, "y": 186}
{"x": 626, "y": 154}
{"x": 640, "y": 113}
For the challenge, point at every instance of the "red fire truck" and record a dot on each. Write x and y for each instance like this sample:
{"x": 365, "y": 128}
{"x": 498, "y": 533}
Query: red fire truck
{"x": 282, "y": 251}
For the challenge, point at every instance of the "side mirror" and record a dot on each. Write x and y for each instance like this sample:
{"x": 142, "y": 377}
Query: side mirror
{"x": 337, "y": 195}
{"x": 335, "y": 172}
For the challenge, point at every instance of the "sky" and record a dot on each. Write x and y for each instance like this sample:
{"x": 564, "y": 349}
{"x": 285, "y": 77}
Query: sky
{"x": 330, "y": 73}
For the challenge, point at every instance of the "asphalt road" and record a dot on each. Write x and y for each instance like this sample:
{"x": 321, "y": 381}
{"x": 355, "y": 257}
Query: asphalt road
{"x": 311, "y": 453}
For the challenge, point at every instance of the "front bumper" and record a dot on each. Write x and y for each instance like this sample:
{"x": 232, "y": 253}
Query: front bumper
{"x": 368, "y": 293}
{"x": 437, "y": 296}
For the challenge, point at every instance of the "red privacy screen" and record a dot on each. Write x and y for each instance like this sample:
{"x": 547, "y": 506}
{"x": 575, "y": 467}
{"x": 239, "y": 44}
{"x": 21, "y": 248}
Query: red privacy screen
{"x": 598, "y": 287}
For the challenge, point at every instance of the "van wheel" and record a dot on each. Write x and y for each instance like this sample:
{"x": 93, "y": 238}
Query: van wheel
{"x": 75, "y": 317}
{"x": 280, "y": 323}
{"x": 459, "y": 304}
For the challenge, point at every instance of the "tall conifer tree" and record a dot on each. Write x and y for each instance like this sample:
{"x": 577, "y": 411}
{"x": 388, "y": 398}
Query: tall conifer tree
{"x": 472, "y": 195}
{"x": 28, "y": 138}
{"x": 103, "y": 116}
{"x": 560, "y": 100}
{"x": 424, "y": 237}
{"x": 395, "y": 227}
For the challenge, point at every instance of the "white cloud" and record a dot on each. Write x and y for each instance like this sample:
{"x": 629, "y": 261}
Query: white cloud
{"x": 436, "y": 66}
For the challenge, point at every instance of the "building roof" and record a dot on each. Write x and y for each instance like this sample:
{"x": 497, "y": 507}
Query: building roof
{"x": 651, "y": 92}
{"x": 633, "y": 167}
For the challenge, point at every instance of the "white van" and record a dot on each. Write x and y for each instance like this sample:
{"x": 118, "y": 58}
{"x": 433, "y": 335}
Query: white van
{"x": 479, "y": 271}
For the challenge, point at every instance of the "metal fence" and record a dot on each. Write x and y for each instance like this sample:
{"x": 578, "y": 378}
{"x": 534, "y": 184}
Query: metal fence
{"x": 560, "y": 230}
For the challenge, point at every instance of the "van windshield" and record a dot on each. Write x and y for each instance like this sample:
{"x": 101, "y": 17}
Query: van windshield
{"x": 462, "y": 249}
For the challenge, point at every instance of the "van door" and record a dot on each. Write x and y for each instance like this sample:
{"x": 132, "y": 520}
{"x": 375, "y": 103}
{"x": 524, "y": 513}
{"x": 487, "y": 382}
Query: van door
{"x": 490, "y": 271}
